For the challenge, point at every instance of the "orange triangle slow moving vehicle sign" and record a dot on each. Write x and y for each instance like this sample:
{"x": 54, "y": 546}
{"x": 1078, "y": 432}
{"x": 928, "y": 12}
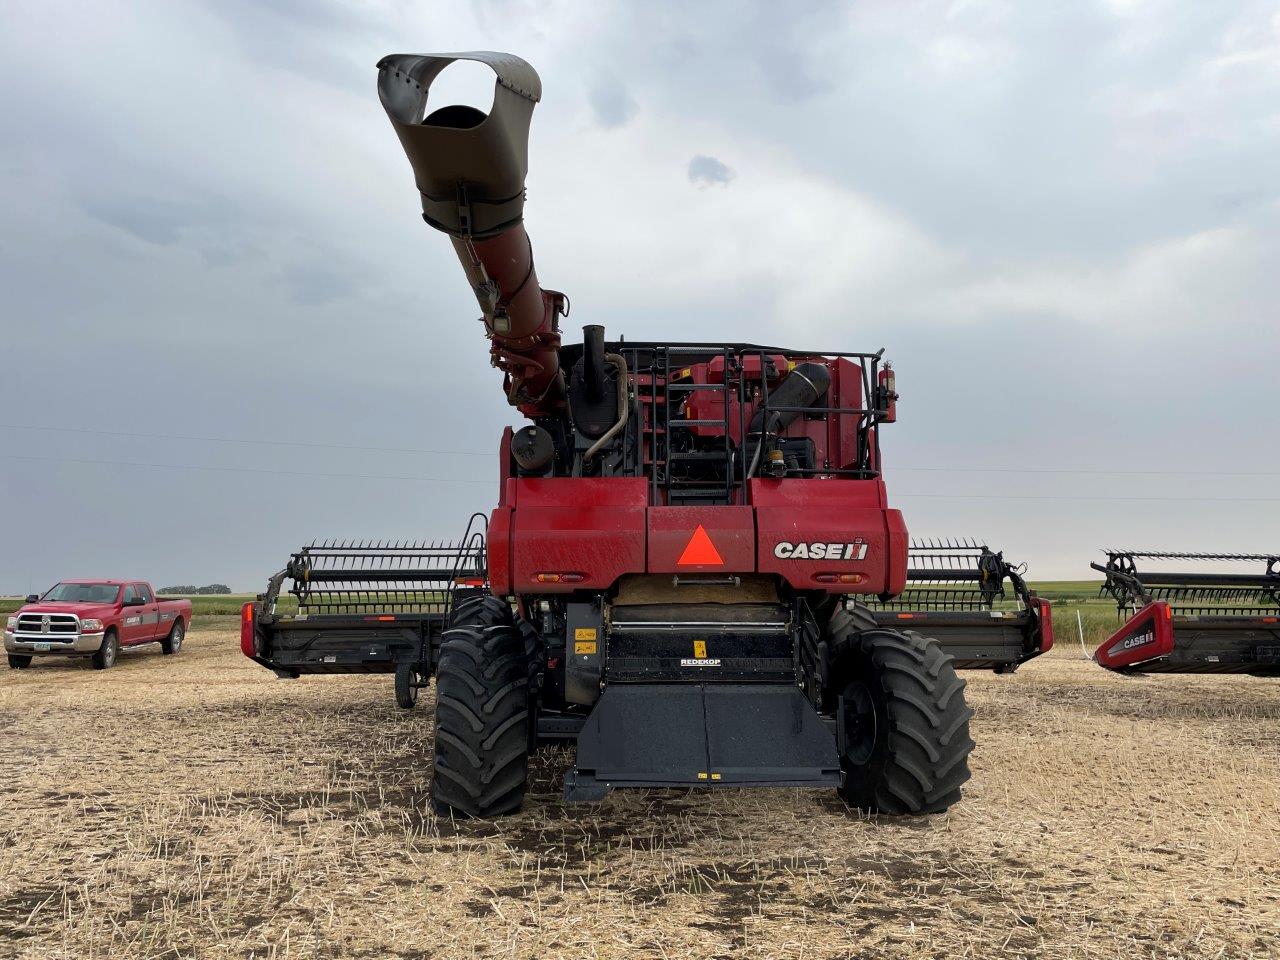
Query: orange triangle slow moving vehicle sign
{"x": 700, "y": 551}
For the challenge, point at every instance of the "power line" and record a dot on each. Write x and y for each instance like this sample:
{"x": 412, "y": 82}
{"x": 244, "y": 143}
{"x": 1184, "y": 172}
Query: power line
{"x": 267, "y": 443}
{"x": 419, "y": 479}
{"x": 890, "y": 467}
{"x": 1014, "y": 496}
{"x": 258, "y": 470}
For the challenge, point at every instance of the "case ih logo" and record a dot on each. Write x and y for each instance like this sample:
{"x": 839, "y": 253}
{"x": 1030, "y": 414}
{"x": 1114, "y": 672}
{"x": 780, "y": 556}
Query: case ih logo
{"x": 1138, "y": 640}
{"x": 856, "y": 550}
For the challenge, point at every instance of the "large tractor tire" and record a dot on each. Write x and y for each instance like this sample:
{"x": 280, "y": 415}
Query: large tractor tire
{"x": 482, "y": 712}
{"x": 902, "y": 720}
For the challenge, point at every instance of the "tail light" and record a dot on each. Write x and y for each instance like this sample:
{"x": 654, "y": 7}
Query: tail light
{"x": 559, "y": 577}
{"x": 247, "y": 646}
{"x": 839, "y": 577}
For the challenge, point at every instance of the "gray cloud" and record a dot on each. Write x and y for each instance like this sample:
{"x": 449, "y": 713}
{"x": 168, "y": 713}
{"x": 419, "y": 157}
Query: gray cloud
{"x": 707, "y": 171}
{"x": 147, "y": 218}
{"x": 315, "y": 282}
{"x": 611, "y": 104}
{"x": 1072, "y": 208}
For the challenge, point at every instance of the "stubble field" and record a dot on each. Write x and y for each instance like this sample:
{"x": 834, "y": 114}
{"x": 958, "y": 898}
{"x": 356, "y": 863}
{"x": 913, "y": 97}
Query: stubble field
{"x": 197, "y": 807}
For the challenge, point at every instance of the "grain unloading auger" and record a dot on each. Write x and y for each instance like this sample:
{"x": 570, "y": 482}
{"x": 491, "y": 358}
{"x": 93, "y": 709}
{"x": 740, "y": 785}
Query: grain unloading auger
{"x": 956, "y": 592}
{"x": 1183, "y": 620}
{"x": 683, "y": 536}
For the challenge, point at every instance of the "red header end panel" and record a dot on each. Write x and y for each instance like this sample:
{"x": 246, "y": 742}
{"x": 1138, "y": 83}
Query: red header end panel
{"x": 1148, "y": 635}
{"x": 1045, "y": 613}
{"x": 834, "y": 535}
{"x": 248, "y": 646}
{"x": 575, "y": 533}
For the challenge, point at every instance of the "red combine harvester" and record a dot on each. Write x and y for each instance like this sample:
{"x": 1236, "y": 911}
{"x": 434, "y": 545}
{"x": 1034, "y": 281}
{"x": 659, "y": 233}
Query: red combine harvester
{"x": 956, "y": 593}
{"x": 1180, "y": 621}
{"x": 684, "y": 535}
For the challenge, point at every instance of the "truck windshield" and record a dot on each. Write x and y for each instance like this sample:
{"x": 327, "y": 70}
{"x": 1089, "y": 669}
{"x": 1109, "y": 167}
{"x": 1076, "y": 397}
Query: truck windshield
{"x": 83, "y": 593}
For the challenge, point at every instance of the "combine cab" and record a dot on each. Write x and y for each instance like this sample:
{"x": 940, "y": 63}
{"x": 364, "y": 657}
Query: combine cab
{"x": 956, "y": 593}
{"x": 363, "y": 608}
{"x": 1181, "y": 621}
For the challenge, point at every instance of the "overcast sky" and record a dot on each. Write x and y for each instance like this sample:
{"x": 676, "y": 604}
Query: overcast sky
{"x": 226, "y": 331}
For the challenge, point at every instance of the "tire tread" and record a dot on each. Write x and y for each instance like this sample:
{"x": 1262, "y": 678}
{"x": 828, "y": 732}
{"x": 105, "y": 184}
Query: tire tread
{"x": 927, "y": 744}
{"x": 482, "y": 712}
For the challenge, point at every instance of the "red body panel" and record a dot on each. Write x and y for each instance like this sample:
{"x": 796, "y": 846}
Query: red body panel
{"x": 899, "y": 544}
{"x": 499, "y": 551}
{"x": 730, "y": 530}
{"x": 824, "y": 515}
{"x": 585, "y": 533}
{"x": 592, "y": 529}
{"x": 1147, "y": 635}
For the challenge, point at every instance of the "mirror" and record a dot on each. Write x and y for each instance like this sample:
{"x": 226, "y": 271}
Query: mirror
{"x": 32, "y": 598}
{"x": 134, "y": 602}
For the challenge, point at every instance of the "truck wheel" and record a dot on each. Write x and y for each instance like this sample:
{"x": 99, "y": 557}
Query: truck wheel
{"x": 18, "y": 661}
{"x": 902, "y": 720}
{"x": 173, "y": 642}
{"x": 406, "y": 685}
{"x": 107, "y": 653}
{"x": 482, "y": 712}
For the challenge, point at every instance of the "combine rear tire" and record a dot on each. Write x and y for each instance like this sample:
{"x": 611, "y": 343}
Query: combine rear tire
{"x": 902, "y": 718}
{"x": 482, "y": 712}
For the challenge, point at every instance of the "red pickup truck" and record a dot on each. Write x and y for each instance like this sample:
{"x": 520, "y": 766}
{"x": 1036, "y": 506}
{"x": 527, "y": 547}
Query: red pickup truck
{"x": 94, "y": 618}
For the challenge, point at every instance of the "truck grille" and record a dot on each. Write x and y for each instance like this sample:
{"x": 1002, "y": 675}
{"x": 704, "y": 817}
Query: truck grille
{"x": 48, "y": 623}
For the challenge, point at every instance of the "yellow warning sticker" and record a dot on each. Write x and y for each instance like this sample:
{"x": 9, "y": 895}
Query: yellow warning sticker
{"x": 702, "y": 776}
{"x": 584, "y": 633}
{"x": 584, "y": 648}
{"x": 700, "y": 649}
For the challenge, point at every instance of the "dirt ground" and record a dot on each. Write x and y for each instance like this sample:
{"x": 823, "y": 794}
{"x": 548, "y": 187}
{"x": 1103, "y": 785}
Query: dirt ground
{"x": 197, "y": 807}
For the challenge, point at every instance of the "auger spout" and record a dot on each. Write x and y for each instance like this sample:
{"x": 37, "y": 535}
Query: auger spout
{"x": 470, "y": 169}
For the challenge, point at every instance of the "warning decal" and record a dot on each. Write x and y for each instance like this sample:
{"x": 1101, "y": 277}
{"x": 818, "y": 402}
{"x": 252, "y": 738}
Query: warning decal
{"x": 700, "y": 551}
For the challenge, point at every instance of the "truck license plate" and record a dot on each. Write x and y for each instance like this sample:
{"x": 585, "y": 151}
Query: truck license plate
{"x": 43, "y": 647}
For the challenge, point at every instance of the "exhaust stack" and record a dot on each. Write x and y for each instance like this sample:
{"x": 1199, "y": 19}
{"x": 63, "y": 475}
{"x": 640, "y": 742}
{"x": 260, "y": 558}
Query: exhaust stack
{"x": 469, "y": 167}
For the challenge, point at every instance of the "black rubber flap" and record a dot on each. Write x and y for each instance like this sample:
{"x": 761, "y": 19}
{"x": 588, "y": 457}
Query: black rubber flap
{"x": 706, "y": 735}
{"x": 651, "y": 733}
{"x": 767, "y": 734}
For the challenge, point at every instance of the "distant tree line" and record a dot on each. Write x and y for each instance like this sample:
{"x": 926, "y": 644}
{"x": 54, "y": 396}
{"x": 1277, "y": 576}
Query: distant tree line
{"x": 213, "y": 589}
